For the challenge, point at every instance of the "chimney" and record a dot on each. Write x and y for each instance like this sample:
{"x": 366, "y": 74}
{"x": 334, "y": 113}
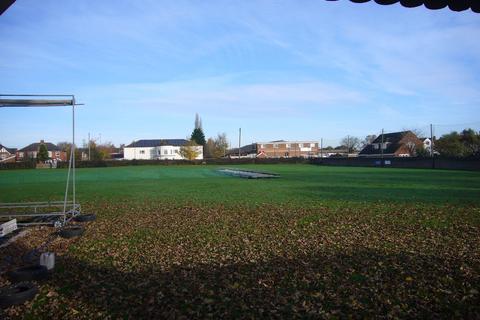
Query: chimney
{"x": 42, "y": 141}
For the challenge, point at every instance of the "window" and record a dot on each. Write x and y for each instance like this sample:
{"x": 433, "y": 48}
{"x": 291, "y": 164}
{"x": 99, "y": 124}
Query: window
{"x": 312, "y": 145}
{"x": 275, "y": 146}
{"x": 375, "y": 146}
{"x": 165, "y": 151}
{"x": 142, "y": 151}
{"x": 288, "y": 145}
{"x": 262, "y": 146}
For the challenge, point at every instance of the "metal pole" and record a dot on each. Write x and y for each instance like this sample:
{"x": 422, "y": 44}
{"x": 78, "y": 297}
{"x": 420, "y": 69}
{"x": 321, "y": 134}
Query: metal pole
{"x": 348, "y": 145}
{"x": 73, "y": 148}
{"x": 89, "y": 146}
{"x": 381, "y": 146}
{"x": 431, "y": 140}
{"x": 431, "y": 146}
{"x": 321, "y": 148}
{"x": 68, "y": 184}
{"x": 239, "y": 141}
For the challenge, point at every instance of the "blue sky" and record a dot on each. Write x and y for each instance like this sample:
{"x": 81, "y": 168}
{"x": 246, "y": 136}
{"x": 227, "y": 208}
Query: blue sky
{"x": 278, "y": 69}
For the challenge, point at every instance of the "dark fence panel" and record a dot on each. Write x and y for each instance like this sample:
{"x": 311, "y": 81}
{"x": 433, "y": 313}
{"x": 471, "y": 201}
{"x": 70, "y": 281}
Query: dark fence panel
{"x": 421, "y": 163}
{"x": 18, "y": 165}
{"x": 122, "y": 163}
{"x": 415, "y": 163}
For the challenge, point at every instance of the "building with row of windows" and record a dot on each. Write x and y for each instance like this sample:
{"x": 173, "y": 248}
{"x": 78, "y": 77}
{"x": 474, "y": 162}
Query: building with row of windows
{"x": 158, "y": 149}
{"x": 278, "y": 149}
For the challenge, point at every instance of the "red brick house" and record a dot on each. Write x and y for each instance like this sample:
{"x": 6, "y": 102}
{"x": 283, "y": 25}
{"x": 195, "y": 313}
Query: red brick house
{"x": 278, "y": 149}
{"x": 395, "y": 144}
{"x": 31, "y": 151}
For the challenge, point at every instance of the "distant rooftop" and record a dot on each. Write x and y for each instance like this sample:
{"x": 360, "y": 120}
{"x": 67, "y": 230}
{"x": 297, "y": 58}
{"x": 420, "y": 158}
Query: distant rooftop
{"x": 151, "y": 143}
{"x": 35, "y": 146}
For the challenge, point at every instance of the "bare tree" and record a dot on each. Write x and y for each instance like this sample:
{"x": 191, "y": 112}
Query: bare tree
{"x": 216, "y": 147}
{"x": 221, "y": 145}
{"x": 351, "y": 143}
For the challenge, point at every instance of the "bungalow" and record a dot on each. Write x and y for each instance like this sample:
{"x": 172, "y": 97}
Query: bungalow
{"x": 31, "y": 151}
{"x": 7, "y": 154}
{"x": 158, "y": 149}
{"x": 395, "y": 144}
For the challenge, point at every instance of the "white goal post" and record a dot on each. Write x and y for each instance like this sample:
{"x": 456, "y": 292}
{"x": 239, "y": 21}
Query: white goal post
{"x": 57, "y": 213}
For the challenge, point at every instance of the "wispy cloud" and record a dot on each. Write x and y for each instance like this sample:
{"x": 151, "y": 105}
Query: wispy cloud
{"x": 223, "y": 96}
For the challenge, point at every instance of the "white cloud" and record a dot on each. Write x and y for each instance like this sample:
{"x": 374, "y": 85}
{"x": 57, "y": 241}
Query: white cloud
{"x": 222, "y": 96}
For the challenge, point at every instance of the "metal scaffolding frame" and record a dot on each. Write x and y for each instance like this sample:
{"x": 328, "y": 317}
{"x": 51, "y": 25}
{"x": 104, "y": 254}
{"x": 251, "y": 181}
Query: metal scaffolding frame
{"x": 58, "y": 213}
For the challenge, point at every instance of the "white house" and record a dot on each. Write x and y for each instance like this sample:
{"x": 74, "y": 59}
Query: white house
{"x": 7, "y": 153}
{"x": 158, "y": 149}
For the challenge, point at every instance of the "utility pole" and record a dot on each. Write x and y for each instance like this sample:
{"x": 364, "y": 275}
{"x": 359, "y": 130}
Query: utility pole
{"x": 381, "y": 147}
{"x": 239, "y": 141}
{"x": 89, "y": 146}
{"x": 321, "y": 148}
{"x": 431, "y": 146}
{"x": 348, "y": 145}
{"x": 431, "y": 140}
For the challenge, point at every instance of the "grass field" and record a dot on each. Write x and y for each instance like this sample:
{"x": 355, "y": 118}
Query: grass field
{"x": 328, "y": 242}
{"x": 304, "y": 185}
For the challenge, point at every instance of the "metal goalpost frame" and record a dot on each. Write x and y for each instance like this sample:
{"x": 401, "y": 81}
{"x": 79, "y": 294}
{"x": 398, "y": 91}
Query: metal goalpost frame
{"x": 58, "y": 213}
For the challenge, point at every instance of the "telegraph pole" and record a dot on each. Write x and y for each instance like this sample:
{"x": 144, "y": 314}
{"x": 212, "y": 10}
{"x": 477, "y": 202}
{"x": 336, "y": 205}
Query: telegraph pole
{"x": 89, "y": 146}
{"x": 431, "y": 140}
{"x": 348, "y": 145}
{"x": 321, "y": 148}
{"x": 381, "y": 147}
{"x": 239, "y": 141}
{"x": 431, "y": 146}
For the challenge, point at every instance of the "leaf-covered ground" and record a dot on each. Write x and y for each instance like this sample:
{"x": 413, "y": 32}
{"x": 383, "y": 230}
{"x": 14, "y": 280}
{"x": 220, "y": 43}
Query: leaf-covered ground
{"x": 157, "y": 259}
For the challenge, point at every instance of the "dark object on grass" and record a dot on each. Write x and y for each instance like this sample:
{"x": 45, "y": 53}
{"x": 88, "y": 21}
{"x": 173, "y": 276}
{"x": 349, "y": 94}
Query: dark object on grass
{"x": 17, "y": 294}
{"x": 31, "y": 256}
{"x": 33, "y": 272}
{"x": 85, "y": 217}
{"x": 71, "y": 231}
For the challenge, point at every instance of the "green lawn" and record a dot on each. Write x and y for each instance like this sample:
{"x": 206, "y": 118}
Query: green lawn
{"x": 306, "y": 185}
{"x": 318, "y": 242}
